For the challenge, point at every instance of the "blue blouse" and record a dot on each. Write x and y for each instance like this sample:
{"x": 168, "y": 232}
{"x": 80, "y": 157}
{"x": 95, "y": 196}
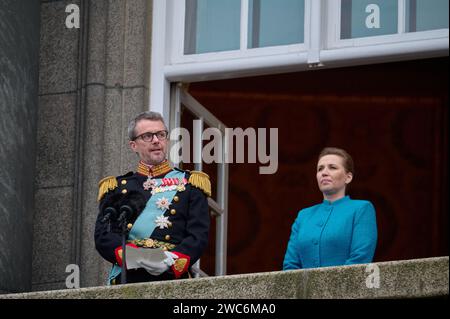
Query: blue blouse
{"x": 342, "y": 232}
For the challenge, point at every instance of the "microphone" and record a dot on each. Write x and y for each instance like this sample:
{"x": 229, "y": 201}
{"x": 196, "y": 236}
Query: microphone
{"x": 112, "y": 206}
{"x": 110, "y": 213}
{"x": 131, "y": 206}
{"x": 126, "y": 213}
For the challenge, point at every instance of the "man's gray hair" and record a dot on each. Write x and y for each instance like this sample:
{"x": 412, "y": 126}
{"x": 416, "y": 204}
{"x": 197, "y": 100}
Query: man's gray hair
{"x": 148, "y": 115}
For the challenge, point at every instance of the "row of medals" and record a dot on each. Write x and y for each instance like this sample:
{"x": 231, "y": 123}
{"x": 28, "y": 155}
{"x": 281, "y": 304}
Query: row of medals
{"x": 160, "y": 188}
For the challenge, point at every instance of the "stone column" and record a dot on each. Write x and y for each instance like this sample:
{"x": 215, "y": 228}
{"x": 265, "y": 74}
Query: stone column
{"x": 54, "y": 229}
{"x": 19, "y": 62}
{"x": 92, "y": 81}
{"x": 116, "y": 89}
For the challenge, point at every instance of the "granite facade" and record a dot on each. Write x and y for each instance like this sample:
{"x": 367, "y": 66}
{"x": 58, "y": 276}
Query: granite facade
{"x": 19, "y": 56}
{"x": 92, "y": 81}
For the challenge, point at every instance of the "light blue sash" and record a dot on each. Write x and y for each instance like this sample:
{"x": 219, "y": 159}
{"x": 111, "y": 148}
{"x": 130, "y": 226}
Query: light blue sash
{"x": 145, "y": 224}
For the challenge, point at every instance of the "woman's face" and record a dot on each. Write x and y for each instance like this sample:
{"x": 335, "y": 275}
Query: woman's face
{"x": 332, "y": 177}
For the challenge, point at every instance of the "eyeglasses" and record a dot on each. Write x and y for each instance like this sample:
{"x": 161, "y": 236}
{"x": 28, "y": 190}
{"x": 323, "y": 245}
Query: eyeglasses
{"x": 148, "y": 136}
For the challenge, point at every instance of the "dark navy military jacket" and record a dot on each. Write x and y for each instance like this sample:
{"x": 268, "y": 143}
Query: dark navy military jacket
{"x": 189, "y": 224}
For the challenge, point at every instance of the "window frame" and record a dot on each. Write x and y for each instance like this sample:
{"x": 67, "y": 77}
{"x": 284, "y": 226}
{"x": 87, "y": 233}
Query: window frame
{"x": 177, "y": 36}
{"x": 334, "y": 30}
{"x": 320, "y": 50}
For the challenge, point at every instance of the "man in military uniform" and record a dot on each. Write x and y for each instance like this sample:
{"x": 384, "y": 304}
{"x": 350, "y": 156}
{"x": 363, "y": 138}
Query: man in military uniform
{"x": 173, "y": 210}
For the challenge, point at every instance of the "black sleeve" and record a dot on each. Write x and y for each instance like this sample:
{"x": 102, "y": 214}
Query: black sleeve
{"x": 107, "y": 240}
{"x": 197, "y": 226}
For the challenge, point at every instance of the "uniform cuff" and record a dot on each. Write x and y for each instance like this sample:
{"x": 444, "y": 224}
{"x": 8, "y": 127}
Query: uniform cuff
{"x": 181, "y": 264}
{"x": 118, "y": 253}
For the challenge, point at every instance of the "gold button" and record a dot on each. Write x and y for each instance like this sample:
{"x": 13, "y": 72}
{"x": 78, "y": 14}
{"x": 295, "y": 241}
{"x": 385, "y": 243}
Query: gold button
{"x": 176, "y": 198}
{"x": 123, "y": 182}
{"x": 124, "y": 191}
{"x": 173, "y": 211}
{"x": 167, "y": 237}
{"x": 129, "y": 226}
{"x": 169, "y": 224}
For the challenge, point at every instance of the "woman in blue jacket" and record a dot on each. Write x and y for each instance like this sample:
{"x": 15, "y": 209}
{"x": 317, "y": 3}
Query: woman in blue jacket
{"x": 340, "y": 230}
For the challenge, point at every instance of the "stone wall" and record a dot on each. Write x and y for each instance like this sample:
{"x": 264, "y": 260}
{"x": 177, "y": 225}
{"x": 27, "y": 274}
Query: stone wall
{"x": 19, "y": 61}
{"x": 93, "y": 79}
{"x": 418, "y": 278}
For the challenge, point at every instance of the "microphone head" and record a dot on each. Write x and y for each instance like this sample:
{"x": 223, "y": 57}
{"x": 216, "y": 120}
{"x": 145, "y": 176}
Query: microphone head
{"x": 126, "y": 213}
{"x": 132, "y": 204}
{"x": 135, "y": 200}
{"x": 111, "y": 211}
{"x": 127, "y": 209}
{"x": 113, "y": 202}
{"x": 110, "y": 208}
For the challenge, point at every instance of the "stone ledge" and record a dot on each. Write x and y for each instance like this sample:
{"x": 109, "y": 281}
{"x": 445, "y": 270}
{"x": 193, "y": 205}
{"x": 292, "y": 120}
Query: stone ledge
{"x": 417, "y": 278}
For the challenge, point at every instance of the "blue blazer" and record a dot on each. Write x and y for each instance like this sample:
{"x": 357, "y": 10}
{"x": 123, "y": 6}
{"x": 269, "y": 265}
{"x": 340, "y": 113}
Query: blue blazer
{"x": 343, "y": 232}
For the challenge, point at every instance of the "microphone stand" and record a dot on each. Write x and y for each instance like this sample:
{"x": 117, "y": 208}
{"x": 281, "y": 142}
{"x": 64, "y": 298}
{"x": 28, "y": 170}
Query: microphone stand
{"x": 110, "y": 212}
{"x": 123, "y": 274}
{"x": 124, "y": 211}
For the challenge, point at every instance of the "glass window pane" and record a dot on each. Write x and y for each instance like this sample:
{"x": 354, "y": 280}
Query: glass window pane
{"x": 367, "y": 18}
{"x": 423, "y": 15}
{"x": 275, "y": 22}
{"x": 212, "y": 25}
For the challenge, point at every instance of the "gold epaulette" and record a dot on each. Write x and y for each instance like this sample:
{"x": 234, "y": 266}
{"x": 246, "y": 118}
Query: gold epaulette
{"x": 200, "y": 180}
{"x": 105, "y": 185}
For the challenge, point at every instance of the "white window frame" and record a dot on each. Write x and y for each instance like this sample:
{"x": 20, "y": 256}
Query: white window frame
{"x": 334, "y": 30}
{"x": 322, "y": 48}
{"x": 177, "y": 56}
{"x": 218, "y": 207}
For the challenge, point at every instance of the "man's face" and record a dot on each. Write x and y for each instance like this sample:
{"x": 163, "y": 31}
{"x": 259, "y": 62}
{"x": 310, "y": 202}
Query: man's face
{"x": 154, "y": 152}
